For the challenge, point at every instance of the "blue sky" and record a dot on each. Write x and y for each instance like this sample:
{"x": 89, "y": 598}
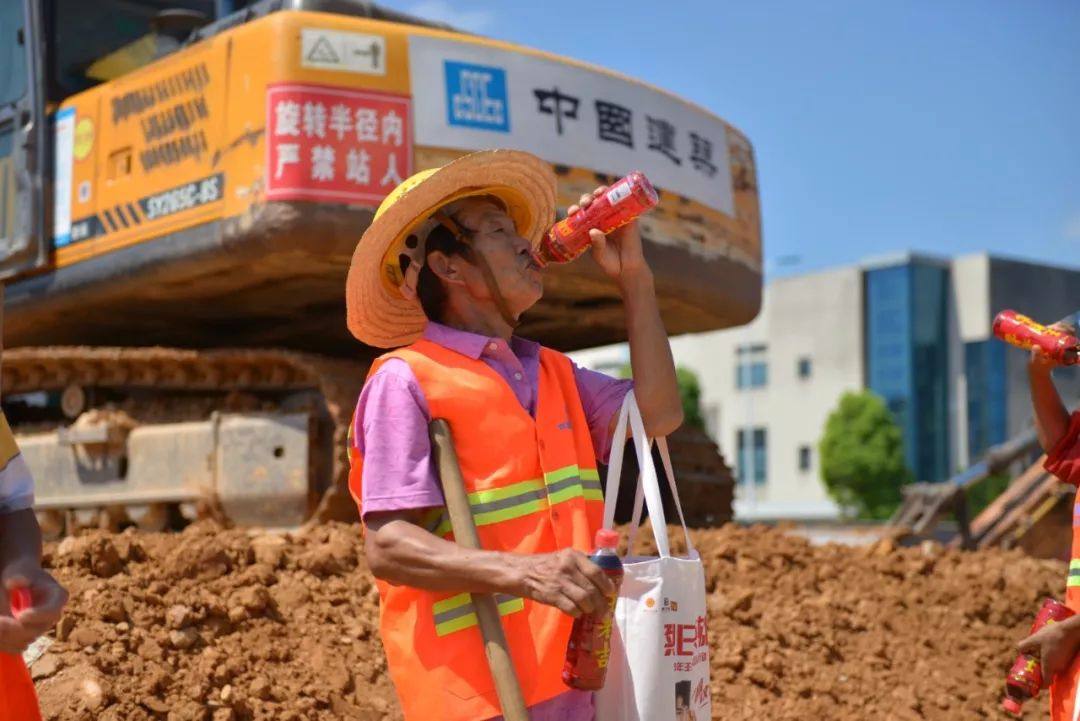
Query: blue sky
{"x": 944, "y": 127}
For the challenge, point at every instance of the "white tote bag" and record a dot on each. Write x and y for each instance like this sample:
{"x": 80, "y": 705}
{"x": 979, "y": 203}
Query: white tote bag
{"x": 659, "y": 664}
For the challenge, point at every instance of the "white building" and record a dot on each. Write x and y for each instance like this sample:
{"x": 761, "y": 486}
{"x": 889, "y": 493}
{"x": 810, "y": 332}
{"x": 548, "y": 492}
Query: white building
{"x": 913, "y": 328}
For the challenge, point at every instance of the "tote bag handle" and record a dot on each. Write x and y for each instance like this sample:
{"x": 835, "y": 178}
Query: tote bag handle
{"x": 647, "y": 491}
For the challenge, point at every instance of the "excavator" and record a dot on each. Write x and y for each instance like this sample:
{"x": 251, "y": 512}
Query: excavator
{"x": 182, "y": 184}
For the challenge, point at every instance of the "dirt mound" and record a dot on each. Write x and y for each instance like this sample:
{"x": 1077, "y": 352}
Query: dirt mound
{"x": 229, "y": 625}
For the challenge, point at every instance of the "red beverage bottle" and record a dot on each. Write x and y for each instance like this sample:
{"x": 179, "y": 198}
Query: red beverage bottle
{"x": 19, "y": 599}
{"x": 1022, "y": 332}
{"x": 623, "y": 201}
{"x": 589, "y": 648}
{"x": 1025, "y": 679}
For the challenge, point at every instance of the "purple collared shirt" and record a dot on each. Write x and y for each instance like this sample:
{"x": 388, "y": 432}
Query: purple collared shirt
{"x": 392, "y": 432}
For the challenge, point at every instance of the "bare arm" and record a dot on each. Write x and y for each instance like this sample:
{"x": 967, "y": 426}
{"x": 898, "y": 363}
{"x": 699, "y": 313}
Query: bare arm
{"x": 402, "y": 553}
{"x": 655, "y": 385}
{"x": 1051, "y": 418}
{"x": 621, "y": 257}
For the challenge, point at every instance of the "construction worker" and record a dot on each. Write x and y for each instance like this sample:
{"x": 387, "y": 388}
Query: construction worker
{"x": 446, "y": 270}
{"x": 20, "y": 567}
{"x": 1057, "y": 645}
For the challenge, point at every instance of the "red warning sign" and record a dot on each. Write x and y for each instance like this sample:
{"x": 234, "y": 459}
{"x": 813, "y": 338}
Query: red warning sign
{"x": 336, "y": 144}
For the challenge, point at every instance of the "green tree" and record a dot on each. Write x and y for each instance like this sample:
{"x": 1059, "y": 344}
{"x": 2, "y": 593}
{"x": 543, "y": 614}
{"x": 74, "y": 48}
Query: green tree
{"x": 862, "y": 456}
{"x": 689, "y": 392}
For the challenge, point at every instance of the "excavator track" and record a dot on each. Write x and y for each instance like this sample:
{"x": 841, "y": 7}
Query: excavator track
{"x": 102, "y": 405}
{"x": 57, "y": 395}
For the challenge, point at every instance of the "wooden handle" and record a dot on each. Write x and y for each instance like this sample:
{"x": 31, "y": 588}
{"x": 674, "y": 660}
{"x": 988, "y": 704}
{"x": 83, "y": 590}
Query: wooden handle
{"x": 487, "y": 612}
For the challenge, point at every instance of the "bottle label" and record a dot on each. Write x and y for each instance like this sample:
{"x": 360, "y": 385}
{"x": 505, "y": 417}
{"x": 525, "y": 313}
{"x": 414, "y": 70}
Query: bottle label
{"x": 619, "y": 193}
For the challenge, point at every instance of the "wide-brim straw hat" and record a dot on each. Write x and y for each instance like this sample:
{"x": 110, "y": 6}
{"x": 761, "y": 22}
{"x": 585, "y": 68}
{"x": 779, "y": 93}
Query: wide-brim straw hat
{"x": 378, "y": 313}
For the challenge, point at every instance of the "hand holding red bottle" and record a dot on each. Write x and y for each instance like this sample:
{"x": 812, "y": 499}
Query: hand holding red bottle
{"x": 36, "y": 601}
{"x": 604, "y": 219}
{"x": 589, "y": 647}
{"x": 618, "y": 253}
{"x": 1055, "y": 645}
{"x": 1050, "y": 345}
{"x": 1055, "y": 635}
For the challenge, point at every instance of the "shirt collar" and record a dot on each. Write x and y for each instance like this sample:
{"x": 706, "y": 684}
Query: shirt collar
{"x": 473, "y": 345}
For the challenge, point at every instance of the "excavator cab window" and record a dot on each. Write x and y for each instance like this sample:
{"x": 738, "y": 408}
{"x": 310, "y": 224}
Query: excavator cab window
{"x": 94, "y": 42}
{"x": 50, "y": 50}
{"x": 22, "y": 140}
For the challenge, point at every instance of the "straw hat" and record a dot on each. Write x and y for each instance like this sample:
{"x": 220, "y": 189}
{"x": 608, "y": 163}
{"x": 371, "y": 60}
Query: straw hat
{"x": 380, "y": 298}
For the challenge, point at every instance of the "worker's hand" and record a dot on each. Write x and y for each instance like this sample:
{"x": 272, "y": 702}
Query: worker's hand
{"x": 619, "y": 254}
{"x": 1055, "y": 646}
{"x": 1039, "y": 360}
{"x": 565, "y": 579}
{"x": 49, "y": 598}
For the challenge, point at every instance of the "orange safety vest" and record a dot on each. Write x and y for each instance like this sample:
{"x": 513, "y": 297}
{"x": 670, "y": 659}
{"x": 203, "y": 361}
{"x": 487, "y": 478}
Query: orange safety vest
{"x": 534, "y": 488}
{"x": 18, "y": 702}
{"x": 1064, "y": 687}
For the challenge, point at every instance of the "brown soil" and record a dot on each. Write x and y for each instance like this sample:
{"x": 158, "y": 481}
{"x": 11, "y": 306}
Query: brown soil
{"x": 228, "y": 625}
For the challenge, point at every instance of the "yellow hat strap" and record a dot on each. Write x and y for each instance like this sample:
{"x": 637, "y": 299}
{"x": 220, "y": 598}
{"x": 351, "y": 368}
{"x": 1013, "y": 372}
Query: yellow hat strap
{"x": 417, "y": 254}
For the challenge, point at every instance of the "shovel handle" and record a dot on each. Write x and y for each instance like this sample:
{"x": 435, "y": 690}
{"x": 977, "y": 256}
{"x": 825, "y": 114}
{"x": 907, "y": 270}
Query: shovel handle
{"x": 487, "y": 612}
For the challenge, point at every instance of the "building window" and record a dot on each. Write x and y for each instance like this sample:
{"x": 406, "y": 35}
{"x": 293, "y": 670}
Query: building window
{"x": 984, "y": 369}
{"x": 805, "y": 367}
{"x": 751, "y": 366}
{"x": 751, "y": 375}
{"x": 907, "y": 358}
{"x": 13, "y": 42}
{"x": 804, "y": 458}
{"x": 752, "y": 445}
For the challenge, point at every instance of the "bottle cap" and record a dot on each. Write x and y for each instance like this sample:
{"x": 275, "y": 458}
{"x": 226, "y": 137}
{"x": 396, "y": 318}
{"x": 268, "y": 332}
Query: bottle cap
{"x": 1012, "y": 706}
{"x": 607, "y": 538}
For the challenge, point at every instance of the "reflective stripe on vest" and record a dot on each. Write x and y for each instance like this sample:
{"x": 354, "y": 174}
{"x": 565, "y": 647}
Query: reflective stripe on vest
{"x": 1074, "y": 573}
{"x": 457, "y": 612}
{"x": 521, "y": 499}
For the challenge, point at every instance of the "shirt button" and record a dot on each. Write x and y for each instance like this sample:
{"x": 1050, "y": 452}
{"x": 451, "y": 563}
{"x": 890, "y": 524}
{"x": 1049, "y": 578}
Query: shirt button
{"x": 517, "y": 376}
{"x": 492, "y": 346}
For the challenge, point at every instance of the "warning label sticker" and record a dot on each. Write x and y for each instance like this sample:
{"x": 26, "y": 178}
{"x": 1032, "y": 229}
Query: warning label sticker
{"x": 336, "y": 144}
{"x": 349, "y": 52}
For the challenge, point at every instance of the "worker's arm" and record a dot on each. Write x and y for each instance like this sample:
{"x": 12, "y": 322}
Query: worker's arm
{"x": 1051, "y": 418}
{"x": 402, "y": 553}
{"x": 20, "y": 567}
{"x": 622, "y": 258}
{"x": 1055, "y": 645}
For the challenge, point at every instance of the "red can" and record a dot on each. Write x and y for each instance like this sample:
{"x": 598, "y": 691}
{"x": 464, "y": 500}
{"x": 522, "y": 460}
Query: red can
{"x": 589, "y": 648}
{"x": 1019, "y": 330}
{"x": 623, "y": 201}
{"x": 1025, "y": 679}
